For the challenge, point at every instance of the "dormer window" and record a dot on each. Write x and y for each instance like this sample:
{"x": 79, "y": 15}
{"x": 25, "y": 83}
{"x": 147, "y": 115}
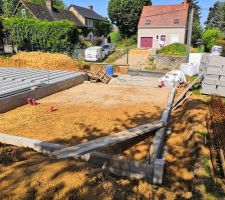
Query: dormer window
{"x": 148, "y": 22}
{"x": 176, "y": 21}
{"x": 23, "y": 13}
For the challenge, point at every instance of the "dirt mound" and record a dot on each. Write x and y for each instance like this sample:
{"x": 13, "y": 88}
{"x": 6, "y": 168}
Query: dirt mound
{"x": 40, "y": 60}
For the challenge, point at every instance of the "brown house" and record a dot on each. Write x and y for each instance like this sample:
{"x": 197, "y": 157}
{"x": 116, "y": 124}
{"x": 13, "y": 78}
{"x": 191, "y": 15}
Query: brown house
{"x": 162, "y": 25}
{"x": 81, "y": 17}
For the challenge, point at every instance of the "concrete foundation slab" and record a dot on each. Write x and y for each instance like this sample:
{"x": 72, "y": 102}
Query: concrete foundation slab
{"x": 13, "y": 96}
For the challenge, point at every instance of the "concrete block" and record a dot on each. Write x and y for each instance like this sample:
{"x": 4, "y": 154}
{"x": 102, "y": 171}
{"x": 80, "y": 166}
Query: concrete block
{"x": 221, "y": 83}
{"x": 216, "y": 60}
{"x": 208, "y": 87}
{"x": 221, "y": 90}
{"x": 214, "y": 70}
{"x": 222, "y": 78}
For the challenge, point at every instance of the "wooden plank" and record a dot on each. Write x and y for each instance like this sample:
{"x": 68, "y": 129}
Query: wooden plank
{"x": 108, "y": 140}
{"x": 187, "y": 96}
{"x": 187, "y": 89}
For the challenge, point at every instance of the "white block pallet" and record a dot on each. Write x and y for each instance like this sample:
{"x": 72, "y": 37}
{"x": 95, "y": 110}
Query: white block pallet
{"x": 214, "y": 75}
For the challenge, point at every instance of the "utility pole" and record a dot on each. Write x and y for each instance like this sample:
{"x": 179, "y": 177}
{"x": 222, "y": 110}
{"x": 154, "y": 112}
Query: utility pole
{"x": 190, "y": 25}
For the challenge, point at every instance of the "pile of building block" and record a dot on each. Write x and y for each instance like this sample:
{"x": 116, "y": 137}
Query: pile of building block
{"x": 214, "y": 75}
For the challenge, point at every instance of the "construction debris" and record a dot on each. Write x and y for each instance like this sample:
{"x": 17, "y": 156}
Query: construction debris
{"x": 100, "y": 75}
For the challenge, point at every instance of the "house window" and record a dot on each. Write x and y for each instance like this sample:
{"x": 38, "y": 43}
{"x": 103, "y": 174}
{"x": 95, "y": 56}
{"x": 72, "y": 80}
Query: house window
{"x": 148, "y": 22}
{"x": 176, "y": 21}
{"x": 89, "y": 22}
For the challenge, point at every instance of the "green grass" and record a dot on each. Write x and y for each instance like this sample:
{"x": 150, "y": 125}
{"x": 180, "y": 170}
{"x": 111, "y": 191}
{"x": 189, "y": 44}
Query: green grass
{"x": 6, "y": 56}
{"x": 175, "y": 49}
{"x": 112, "y": 58}
{"x": 127, "y": 43}
{"x": 191, "y": 78}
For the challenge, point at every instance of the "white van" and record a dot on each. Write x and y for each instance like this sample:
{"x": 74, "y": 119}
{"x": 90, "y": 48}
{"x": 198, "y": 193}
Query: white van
{"x": 94, "y": 54}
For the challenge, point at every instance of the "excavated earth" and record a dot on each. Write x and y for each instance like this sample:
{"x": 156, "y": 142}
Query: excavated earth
{"x": 25, "y": 174}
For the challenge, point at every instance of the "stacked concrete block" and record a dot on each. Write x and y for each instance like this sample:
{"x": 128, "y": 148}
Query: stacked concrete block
{"x": 214, "y": 75}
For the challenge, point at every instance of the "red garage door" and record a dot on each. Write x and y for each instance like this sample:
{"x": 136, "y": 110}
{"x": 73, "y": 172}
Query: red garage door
{"x": 146, "y": 42}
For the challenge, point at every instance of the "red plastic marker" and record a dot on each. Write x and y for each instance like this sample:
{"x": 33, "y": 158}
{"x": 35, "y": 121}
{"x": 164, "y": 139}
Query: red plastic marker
{"x": 29, "y": 101}
{"x": 34, "y": 103}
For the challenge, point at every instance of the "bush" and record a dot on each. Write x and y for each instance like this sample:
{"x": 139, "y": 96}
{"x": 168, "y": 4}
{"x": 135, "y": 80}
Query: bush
{"x": 103, "y": 28}
{"x": 210, "y": 37}
{"x": 222, "y": 44}
{"x": 115, "y": 37}
{"x": 176, "y": 49}
{"x": 129, "y": 43}
{"x": 1, "y": 32}
{"x": 56, "y": 36}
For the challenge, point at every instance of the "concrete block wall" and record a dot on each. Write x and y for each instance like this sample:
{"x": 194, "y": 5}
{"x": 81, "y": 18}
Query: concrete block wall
{"x": 214, "y": 76}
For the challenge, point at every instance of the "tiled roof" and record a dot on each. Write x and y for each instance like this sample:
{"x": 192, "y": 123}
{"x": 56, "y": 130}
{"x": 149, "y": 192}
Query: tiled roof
{"x": 164, "y": 16}
{"x": 87, "y": 13}
{"x": 42, "y": 12}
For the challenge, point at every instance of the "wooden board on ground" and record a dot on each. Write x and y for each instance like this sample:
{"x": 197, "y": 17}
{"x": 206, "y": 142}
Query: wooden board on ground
{"x": 187, "y": 89}
{"x": 117, "y": 138}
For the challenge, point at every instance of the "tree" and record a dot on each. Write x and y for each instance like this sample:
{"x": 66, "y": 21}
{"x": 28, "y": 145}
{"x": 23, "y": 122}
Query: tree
{"x": 8, "y": 7}
{"x": 197, "y": 10}
{"x": 103, "y": 28}
{"x": 216, "y": 17}
{"x": 196, "y": 34}
{"x": 125, "y": 14}
{"x": 1, "y": 8}
{"x": 56, "y": 3}
{"x": 211, "y": 36}
{"x": 197, "y": 28}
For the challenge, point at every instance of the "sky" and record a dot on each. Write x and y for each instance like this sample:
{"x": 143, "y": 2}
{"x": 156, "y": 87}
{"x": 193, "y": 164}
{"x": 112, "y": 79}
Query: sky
{"x": 100, "y": 6}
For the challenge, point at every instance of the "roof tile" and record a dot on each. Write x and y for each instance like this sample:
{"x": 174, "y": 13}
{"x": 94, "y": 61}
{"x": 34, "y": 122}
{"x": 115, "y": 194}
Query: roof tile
{"x": 164, "y": 16}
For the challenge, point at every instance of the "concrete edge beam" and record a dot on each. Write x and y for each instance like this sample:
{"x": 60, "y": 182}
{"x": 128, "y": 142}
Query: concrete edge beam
{"x": 12, "y": 102}
{"x": 37, "y": 145}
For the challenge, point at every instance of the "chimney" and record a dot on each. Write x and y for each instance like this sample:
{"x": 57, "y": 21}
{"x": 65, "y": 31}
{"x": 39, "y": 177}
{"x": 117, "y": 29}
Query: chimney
{"x": 185, "y": 4}
{"x": 90, "y": 7}
{"x": 49, "y": 5}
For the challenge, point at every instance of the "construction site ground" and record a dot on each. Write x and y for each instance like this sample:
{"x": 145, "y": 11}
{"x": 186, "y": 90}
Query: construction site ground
{"x": 25, "y": 174}
{"x": 87, "y": 112}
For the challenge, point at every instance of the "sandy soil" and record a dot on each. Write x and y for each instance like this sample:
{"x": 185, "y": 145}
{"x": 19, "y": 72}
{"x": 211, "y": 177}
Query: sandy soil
{"x": 25, "y": 174}
{"x": 85, "y": 112}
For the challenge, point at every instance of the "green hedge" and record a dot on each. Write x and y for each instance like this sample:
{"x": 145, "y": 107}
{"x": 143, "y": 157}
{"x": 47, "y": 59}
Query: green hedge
{"x": 56, "y": 36}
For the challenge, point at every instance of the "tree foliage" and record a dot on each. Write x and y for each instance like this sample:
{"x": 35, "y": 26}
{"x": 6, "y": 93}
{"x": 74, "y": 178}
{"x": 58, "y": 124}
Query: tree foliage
{"x": 125, "y": 14}
{"x": 103, "y": 28}
{"x": 8, "y": 6}
{"x": 1, "y": 12}
{"x": 216, "y": 17}
{"x": 115, "y": 37}
{"x": 197, "y": 10}
{"x": 210, "y": 37}
{"x": 43, "y": 35}
{"x": 57, "y": 3}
